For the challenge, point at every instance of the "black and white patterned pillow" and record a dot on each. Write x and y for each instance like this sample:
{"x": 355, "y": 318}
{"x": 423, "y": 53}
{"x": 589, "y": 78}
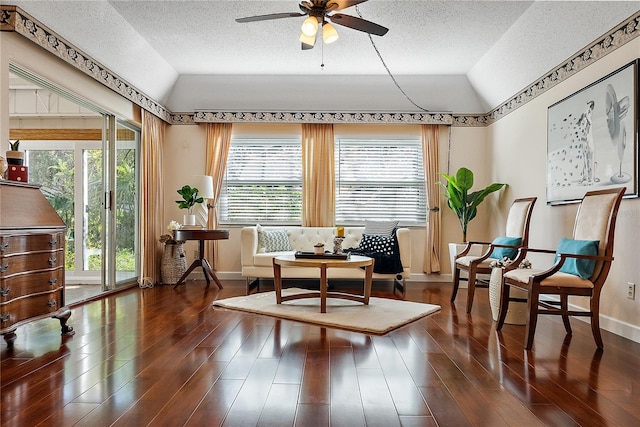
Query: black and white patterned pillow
{"x": 381, "y": 228}
{"x": 376, "y": 243}
{"x": 273, "y": 241}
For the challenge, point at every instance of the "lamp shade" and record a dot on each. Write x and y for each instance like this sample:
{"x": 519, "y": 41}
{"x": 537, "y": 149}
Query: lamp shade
{"x": 329, "y": 33}
{"x": 310, "y": 26}
{"x": 308, "y": 40}
{"x": 204, "y": 184}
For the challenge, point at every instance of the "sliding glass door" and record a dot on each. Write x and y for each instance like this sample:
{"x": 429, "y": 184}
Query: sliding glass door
{"x": 86, "y": 162}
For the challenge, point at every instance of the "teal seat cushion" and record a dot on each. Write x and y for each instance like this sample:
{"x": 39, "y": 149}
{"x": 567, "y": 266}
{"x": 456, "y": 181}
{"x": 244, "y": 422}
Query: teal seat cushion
{"x": 499, "y": 253}
{"x": 582, "y": 268}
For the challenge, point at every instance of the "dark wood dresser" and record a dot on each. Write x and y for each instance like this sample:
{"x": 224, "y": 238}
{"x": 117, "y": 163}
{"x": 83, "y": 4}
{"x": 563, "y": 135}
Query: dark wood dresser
{"x": 32, "y": 248}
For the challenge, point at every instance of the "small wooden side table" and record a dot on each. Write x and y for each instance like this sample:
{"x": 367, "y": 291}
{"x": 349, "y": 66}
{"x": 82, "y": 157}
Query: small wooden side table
{"x": 201, "y": 236}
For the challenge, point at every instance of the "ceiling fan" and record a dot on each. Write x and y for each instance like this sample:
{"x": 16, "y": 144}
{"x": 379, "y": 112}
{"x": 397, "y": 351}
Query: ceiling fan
{"x": 319, "y": 12}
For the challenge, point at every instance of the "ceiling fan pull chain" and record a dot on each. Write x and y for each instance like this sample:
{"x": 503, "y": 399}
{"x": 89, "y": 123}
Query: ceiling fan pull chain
{"x": 384, "y": 64}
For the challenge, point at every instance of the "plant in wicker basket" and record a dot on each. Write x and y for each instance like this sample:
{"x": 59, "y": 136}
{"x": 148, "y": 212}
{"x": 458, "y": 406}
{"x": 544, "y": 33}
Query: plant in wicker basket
{"x": 168, "y": 239}
{"x": 174, "y": 262}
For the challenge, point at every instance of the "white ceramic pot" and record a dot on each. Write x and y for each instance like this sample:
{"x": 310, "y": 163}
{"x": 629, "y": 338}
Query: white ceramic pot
{"x": 455, "y": 249}
{"x": 189, "y": 220}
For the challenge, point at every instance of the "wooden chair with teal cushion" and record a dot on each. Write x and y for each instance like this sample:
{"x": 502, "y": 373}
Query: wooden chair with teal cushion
{"x": 517, "y": 235}
{"x": 581, "y": 267}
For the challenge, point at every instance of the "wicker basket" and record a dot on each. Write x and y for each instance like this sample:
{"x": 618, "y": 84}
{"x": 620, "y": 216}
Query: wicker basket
{"x": 174, "y": 263}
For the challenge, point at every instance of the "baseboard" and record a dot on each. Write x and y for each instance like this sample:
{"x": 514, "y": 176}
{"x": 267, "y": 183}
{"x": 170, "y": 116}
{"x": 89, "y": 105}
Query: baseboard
{"x": 615, "y": 326}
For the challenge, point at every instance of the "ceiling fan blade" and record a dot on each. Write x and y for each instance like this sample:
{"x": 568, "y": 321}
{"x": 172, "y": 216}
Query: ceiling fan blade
{"x": 358, "y": 24}
{"x": 342, "y": 4}
{"x": 270, "y": 16}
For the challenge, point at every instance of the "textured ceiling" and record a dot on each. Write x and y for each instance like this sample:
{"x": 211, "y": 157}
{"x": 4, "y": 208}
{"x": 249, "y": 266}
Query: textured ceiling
{"x": 459, "y": 56}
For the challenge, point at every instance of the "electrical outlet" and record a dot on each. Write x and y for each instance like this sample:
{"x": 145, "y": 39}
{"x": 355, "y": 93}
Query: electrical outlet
{"x": 195, "y": 254}
{"x": 631, "y": 290}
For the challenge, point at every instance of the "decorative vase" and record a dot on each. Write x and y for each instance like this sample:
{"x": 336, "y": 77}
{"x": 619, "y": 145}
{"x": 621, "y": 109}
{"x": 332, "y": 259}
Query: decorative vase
{"x": 319, "y": 250}
{"x": 517, "y": 311}
{"x": 337, "y": 244}
{"x": 189, "y": 219}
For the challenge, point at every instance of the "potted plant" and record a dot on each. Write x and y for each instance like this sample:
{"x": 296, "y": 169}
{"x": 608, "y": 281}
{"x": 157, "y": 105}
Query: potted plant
{"x": 318, "y": 248}
{"x": 463, "y": 203}
{"x": 189, "y": 199}
{"x": 15, "y": 157}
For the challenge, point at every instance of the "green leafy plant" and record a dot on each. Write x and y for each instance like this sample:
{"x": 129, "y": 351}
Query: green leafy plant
{"x": 189, "y": 197}
{"x": 14, "y": 145}
{"x": 463, "y": 203}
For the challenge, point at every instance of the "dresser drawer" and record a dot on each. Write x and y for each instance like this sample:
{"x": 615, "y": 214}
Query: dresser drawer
{"x": 26, "y": 284}
{"x": 24, "y": 263}
{"x": 20, "y": 243}
{"x": 25, "y": 308}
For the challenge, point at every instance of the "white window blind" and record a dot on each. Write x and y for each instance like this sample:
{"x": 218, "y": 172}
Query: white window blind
{"x": 380, "y": 180}
{"x": 263, "y": 182}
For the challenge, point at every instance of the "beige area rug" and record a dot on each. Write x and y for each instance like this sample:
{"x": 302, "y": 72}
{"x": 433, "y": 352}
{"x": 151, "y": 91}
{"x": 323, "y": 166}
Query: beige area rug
{"x": 379, "y": 317}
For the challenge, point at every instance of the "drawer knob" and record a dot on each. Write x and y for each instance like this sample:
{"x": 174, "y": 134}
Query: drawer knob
{"x": 4, "y": 291}
{"x": 52, "y": 303}
{"x": 3, "y": 247}
{"x": 5, "y": 317}
{"x": 53, "y": 281}
{"x": 4, "y": 268}
{"x": 53, "y": 260}
{"x": 53, "y": 241}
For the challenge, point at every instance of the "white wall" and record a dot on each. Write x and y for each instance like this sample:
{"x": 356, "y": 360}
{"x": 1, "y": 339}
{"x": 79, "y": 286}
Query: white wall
{"x": 517, "y": 145}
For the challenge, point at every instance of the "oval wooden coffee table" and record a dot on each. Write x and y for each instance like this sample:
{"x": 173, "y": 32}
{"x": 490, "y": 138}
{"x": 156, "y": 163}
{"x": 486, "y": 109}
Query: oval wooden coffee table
{"x": 354, "y": 261}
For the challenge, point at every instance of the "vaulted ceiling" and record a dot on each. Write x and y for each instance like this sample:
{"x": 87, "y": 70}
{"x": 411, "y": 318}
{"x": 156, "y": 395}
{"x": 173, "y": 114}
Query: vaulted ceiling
{"x": 457, "y": 56}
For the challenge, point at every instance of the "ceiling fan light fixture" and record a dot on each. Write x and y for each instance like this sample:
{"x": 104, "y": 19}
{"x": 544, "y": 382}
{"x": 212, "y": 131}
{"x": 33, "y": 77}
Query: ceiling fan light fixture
{"x": 308, "y": 40}
{"x": 310, "y": 26}
{"x": 329, "y": 33}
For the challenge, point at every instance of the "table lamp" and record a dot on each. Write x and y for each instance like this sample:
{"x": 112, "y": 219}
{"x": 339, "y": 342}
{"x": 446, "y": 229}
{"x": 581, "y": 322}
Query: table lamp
{"x": 204, "y": 184}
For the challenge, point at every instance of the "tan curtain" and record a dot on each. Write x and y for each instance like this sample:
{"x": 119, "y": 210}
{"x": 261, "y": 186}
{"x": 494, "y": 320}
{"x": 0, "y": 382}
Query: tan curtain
{"x": 318, "y": 178}
{"x": 217, "y": 152}
{"x": 430, "y": 156}
{"x": 152, "y": 224}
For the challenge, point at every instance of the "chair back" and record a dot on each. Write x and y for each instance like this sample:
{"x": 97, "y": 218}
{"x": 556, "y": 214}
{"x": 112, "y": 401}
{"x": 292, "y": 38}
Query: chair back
{"x": 596, "y": 220}
{"x": 519, "y": 218}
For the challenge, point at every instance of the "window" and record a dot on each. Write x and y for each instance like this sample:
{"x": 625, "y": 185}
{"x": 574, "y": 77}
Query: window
{"x": 379, "y": 180}
{"x": 263, "y": 182}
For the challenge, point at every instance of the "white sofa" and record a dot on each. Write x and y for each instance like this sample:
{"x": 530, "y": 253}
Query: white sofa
{"x": 256, "y": 264}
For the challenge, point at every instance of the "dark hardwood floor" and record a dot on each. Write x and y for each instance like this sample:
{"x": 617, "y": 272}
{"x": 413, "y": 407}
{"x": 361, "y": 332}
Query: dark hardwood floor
{"x": 165, "y": 357}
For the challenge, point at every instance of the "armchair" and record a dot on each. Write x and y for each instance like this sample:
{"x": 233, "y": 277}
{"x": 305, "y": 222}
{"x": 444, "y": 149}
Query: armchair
{"x": 517, "y": 227}
{"x": 575, "y": 272}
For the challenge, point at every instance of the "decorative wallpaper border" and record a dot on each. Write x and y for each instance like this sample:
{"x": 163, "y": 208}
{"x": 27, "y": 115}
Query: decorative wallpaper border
{"x": 322, "y": 117}
{"x": 475, "y": 120}
{"x": 13, "y": 18}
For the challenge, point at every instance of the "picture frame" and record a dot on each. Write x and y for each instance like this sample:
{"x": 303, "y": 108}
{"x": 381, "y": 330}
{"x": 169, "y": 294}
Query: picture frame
{"x": 592, "y": 138}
